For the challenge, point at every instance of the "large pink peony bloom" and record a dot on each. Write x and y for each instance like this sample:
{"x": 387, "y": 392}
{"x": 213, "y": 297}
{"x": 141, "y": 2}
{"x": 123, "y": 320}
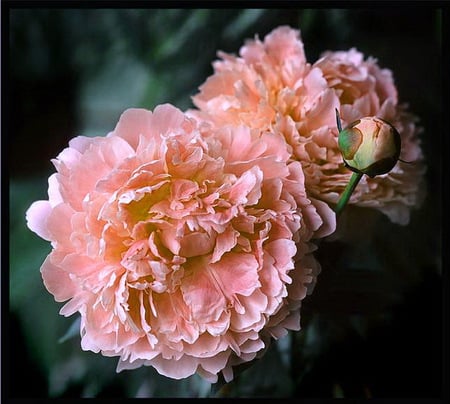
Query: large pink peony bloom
{"x": 177, "y": 242}
{"x": 271, "y": 86}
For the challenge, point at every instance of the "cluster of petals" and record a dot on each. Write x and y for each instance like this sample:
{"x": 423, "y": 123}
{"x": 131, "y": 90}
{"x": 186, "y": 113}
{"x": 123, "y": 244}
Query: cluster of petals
{"x": 271, "y": 86}
{"x": 182, "y": 245}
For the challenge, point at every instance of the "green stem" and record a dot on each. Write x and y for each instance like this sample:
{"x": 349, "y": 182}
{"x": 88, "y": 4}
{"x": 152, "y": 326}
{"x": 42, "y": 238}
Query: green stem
{"x": 354, "y": 179}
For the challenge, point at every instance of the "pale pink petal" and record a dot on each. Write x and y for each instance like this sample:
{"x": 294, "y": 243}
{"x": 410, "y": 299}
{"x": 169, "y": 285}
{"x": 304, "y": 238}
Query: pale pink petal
{"x": 224, "y": 242}
{"x": 166, "y": 119}
{"x": 133, "y": 123}
{"x": 59, "y": 223}
{"x": 37, "y": 216}
{"x": 54, "y": 196}
{"x": 328, "y": 219}
{"x": 235, "y": 274}
{"x": 195, "y": 244}
{"x": 180, "y": 369}
{"x": 57, "y": 281}
{"x": 201, "y": 293}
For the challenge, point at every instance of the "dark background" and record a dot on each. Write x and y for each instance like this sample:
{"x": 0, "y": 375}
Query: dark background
{"x": 366, "y": 333}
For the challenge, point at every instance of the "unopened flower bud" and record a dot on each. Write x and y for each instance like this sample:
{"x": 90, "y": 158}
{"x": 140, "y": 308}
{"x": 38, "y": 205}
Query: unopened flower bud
{"x": 370, "y": 146}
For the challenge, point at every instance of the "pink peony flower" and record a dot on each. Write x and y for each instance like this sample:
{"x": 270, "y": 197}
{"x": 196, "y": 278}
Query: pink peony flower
{"x": 271, "y": 86}
{"x": 364, "y": 89}
{"x": 177, "y": 242}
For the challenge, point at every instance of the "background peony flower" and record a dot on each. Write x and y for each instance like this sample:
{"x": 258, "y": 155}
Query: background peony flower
{"x": 364, "y": 89}
{"x": 271, "y": 85}
{"x": 256, "y": 86}
{"x": 176, "y": 242}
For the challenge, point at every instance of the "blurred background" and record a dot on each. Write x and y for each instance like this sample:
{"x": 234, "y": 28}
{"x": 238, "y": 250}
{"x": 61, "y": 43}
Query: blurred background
{"x": 373, "y": 326}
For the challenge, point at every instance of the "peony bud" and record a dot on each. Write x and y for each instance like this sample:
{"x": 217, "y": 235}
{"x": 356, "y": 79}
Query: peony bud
{"x": 370, "y": 146}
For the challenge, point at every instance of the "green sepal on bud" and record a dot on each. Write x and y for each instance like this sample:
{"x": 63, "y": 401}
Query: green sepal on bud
{"x": 370, "y": 146}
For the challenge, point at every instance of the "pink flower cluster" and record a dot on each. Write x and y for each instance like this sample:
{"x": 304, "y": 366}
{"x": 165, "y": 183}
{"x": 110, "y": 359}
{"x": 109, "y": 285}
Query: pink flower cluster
{"x": 184, "y": 239}
{"x": 270, "y": 85}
